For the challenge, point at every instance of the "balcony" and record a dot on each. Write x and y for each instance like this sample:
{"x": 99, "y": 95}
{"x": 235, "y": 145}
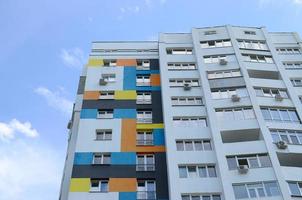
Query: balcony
{"x": 146, "y": 195}
{"x": 145, "y": 167}
{"x": 144, "y": 142}
{"x": 144, "y": 120}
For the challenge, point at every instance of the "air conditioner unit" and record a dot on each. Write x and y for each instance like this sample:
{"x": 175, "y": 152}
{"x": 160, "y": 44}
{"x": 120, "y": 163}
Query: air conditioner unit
{"x": 281, "y": 145}
{"x": 223, "y": 61}
{"x": 243, "y": 169}
{"x": 235, "y": 98}
{"x": 102, "y": 82}
{"x": 278, "y": 97}
{"x": 187, "y": 86}
{"x": 69, "y": 125}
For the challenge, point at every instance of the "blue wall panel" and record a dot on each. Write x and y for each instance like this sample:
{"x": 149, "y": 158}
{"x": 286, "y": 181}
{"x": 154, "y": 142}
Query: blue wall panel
{"x": 124, "y": 113}
{"x": 148, "y": 88}
{"x": 123, "y": 158}
{"x": 147, "y": 71}
{"x": 127, "y": 196}
{"x": 83, "y": 158}
{"x": 88, "y": 113}
{"x": 129, "y": 82}
{"x": 159, "y": 137}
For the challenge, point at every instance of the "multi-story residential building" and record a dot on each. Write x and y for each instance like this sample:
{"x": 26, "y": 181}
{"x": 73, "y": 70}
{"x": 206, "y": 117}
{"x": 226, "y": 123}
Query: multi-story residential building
{"x": 214, "y": 114}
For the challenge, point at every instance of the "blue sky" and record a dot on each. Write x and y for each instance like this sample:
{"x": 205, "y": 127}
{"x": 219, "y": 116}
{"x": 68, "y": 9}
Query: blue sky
{"x": 43, "y": 46}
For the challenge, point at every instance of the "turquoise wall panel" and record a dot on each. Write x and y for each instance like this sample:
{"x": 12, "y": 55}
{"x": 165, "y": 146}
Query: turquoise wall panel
{"x": 124, "y": 113}
{"x": 129, "y": 81}
{"x": 127, "y": 196}
{"x": 123, "y": 158}
{"x": 83, "y": 158}
{"x": 159, "y": 137}
{"x": 88, "y": 113}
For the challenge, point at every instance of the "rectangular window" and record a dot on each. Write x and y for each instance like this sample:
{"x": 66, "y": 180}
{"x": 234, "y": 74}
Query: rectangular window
{"x": 143, "y": 65}
{"x": 182, "y": 66}
{"x": 143, "y": 80}
{"x": 197, "y": 171}
{"x": 182, "y": 82}
{"x": 235, "y": 114}
{"x": 292, "y": 65}
{"x": 101, "y": 159}
{"x": 216, "y": 43}
{"x": 186, "y": 101}
{"x": 106, "y": 95}
{"x": 212, "y": 32}
{"x": 189, "y": 121}
{"x": 214, "y": 59}
{"x": 104, "y": 134}
{"x": 251, "y": 161}
{"x": 180, "y": 51}
{"x": 224, "y": 74}
{"x": 250, "y": 32}
{"x": 109, "y": 78}
{"x": 288, "y": 136}
{"x": 109, "y": 63}
{"x": 256, "y": 190}
{"x": 271, "y": 92}
{"x": 288, "y": 50}
{"x": 144, "y": 116}
{"x": 145, "y": 162}
{"x": 258, "y": 58}
{"x": 297, "y": 82}
{"x": 143, "y": 98}
{"x": 295, "y": 188}
{"x": 144, "y": 137}
{"x": 193, "y": 145}
{"x": 98, "y": 185}
{"x": 105, "y": 114}
{"x": 252, "y": 44}
{"x": 146, "y": 190}
{"x": 227, "y": 93}
{"x": 280, "y": 115}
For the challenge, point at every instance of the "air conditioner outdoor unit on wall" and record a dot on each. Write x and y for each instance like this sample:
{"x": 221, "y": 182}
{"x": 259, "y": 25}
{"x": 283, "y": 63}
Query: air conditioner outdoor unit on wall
{"x": 281, "y": 145}
{"x": 223, "y": 61}
{"x": 235, "y": 98}
{"x": 102, "y": 82}
{"x": 243, "y": 169}
{"x": 278, "y": 97}
{"x": 187, "y": 86}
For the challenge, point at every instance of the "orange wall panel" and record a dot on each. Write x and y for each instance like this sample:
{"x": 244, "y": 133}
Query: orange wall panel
{"x": 91, "y": 95}
{"x": 122, "y": 184}
{"x": 128, "y": 141}
{"x": 126, "y": 62}
{"x": 148, "y": 149}
{"x": 155, "y": 79}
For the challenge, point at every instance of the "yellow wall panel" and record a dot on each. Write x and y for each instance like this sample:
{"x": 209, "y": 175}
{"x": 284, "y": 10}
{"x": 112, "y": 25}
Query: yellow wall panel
{"x": 93, "y": 62}
{"x": 149, "y": 126}
{"x": 127, "y": 94}
{"x": 79, "y": 185}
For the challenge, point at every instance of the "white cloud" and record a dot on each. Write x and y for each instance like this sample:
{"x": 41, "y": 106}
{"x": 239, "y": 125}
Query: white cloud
{"x": 162, "y": 2}
{"x": 263, "y": 3}
{"x": 8, "y": 130}
{"x": 55, "y": 99}
{"x": 29, "y": 171}
{"x": 298, "y": 2}
{"x": 73, "y": 57}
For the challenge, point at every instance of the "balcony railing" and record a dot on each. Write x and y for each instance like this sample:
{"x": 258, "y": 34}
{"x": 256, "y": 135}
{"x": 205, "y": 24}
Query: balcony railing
{"x": 145, "y": 167}
{"x": 144, "y": 120}
{"x": 146, "y": 195}
{"x": 144, "y": 142}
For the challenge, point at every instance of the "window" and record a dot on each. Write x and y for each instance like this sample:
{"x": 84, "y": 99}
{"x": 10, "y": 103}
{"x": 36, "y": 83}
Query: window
{"x": 296, "y": 82}
{"x": 180, "y": 51}
{"x": 144, "y": 116}
{"x": 235, "y": 114}
{"x": 288, "y": 136}
{"x": 193, "y": 145}
{"x": 98, "y": 185}
{"x": 295, "y": 188}
{"x": 146, "y": 190}
{"x": 143, "y": 65}
{"x": 101, "y": 159}
{"x": 105, "y": 114}
{"x": 227, "y": 93}
{"x": 224, "y": 74}
{"x": 200, "y": 197}
{"x": 256, "y": 190}
{"x": 212, "y": 32}
{"x": 104, "y": 134}
{"x": 292, "y": 65}
{"x": 181, "y": 66}
{"x": 257, "y": 58}
{"x": 216, "y": 43}
{"x": 252, "y": 44}
{"x": 109, "y": 63}
{"x": 280, "y": 115}
{"x": 251, "y": 161}
{"x": 145, "y": 162}
{"x": 182, "y": 82}
{"x": 271, "y": 92}
{"x": 194, "y": 171}
{"x": 186, "y": 101}
{"x": 106, "y": 95}
{"x": 288, "y": 50}
{"x": 109, "y": 78}
{"x": 189, "y": 121}
{"x": 250, "y": 32}
{"x": 144, "y": 98}
{"x": 143, "y": 80}
{"x": 144, "y": 137}
{"x": 214, "y": 59}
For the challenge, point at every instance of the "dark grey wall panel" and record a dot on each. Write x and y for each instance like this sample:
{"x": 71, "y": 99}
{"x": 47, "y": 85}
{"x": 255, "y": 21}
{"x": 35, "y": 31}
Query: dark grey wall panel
{"x": 227, "y": 82}
{"x": 109, "y": 104}
{"x": 81, "y": 86}
{"x": 154, "y": 64}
